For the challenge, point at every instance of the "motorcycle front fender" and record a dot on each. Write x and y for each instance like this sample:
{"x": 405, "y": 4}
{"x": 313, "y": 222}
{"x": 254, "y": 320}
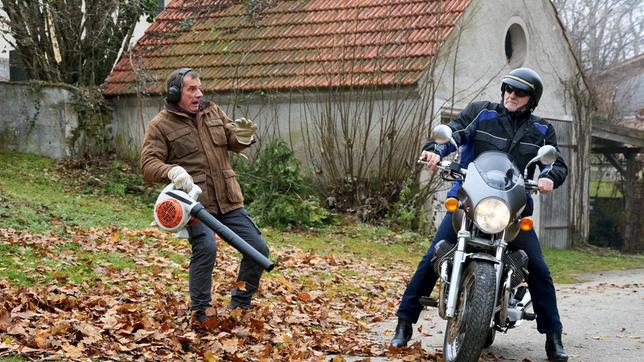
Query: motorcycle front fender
{"x": 484, "y": 256}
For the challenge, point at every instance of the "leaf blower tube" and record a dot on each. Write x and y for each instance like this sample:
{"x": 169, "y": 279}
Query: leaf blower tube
{"x": 174, "y": 208}
{"x": 229, "y": 236}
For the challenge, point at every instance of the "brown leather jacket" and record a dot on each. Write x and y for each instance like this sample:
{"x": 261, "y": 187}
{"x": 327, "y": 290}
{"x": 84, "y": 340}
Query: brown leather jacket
{"x": 201, "y": 147}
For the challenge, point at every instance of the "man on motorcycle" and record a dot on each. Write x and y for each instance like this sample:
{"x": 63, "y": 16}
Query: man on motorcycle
{"x": 512, "y": 128}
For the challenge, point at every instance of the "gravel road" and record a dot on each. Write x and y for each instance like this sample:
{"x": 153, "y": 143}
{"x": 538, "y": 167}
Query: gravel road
{"x": 603, "y": 320}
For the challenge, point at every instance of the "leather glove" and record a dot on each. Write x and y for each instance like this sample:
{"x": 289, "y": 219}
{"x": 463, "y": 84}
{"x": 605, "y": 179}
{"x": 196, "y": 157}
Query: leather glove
{"x": 244, "y": 130}
{"x": 180, "y": 178}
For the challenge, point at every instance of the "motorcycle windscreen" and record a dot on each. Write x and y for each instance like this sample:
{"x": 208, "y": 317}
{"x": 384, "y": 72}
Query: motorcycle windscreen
{"x": 497, "y": 170}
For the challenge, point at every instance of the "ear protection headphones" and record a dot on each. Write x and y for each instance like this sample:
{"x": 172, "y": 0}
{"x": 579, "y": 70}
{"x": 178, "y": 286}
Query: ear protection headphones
{"x": 174, "y": 86}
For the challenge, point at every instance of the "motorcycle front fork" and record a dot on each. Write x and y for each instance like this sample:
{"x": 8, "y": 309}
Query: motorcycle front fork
{"x": 457, "y": 268}
{"x": 500, "y": 251}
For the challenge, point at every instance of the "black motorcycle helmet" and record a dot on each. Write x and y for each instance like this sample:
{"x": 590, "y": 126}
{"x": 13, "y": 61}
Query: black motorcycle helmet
{"x": 527, "y": 80}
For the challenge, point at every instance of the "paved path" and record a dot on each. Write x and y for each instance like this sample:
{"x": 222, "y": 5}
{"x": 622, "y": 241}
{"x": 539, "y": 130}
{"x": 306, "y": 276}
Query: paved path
{"x": 603, "y": 321}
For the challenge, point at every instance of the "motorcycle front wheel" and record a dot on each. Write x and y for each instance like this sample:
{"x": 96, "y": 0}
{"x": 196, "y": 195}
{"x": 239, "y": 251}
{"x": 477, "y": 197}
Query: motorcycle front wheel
{"x": 489, "y": 340}
{"x": 467, "y": 331}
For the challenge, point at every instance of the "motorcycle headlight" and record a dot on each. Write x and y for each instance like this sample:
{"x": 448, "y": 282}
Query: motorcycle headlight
{"x": 492, "y": 215}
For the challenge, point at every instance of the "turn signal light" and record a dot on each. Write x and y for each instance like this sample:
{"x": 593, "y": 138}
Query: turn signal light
{"x": 526, "y": 224}
{"x": 451, "y": 204}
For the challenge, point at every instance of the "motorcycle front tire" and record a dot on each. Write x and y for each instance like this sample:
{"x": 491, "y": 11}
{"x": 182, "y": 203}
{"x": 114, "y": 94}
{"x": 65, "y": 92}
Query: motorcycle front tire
{"x": 489, "y": 340}
{"x": 467, "y": 331}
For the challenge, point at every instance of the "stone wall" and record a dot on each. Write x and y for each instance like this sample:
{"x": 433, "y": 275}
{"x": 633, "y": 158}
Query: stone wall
{"x": 38, "y": 118}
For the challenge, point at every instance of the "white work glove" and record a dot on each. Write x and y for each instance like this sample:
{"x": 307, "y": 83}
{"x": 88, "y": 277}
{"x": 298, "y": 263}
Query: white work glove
{"x": 244, "y": 130}
{"x": 180, "y": 178}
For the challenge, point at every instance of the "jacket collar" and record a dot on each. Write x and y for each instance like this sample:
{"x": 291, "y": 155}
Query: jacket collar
{"x": 512, "y": 121}
{"x": 174, "y": 108}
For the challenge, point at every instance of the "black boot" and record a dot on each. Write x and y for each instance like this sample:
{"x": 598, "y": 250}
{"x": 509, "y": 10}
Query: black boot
{"x": 554, "y": 348}
{"x": 403, "y": 334}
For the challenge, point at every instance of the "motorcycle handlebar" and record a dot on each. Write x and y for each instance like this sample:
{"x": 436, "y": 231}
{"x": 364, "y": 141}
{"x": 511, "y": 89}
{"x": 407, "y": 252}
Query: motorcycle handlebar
{"x": 531, "y": 186}
{"x": 451, "y": 168}
{"x": 448, "y": 167}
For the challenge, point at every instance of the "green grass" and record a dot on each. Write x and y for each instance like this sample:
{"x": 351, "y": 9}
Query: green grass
{"x": 33, "y": 196}
{"x": 367, "y": 242}
{"x": 13, "y": 359}
{"x": 604, "y": 189}
{"x": 566, "y": 265}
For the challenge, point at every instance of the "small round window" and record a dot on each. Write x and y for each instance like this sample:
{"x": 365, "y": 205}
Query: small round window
{"x": 516, "y": 45}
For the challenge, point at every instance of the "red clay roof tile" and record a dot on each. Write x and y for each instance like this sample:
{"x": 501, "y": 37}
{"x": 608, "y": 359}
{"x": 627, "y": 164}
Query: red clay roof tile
{"x": 288, "y": 45}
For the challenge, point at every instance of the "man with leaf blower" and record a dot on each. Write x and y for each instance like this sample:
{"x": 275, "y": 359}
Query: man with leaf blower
{"x": 187, "y": 143}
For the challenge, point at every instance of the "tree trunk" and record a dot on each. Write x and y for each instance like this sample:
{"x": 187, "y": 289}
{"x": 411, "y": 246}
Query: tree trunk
{"x": 633, "y": 198}
{"x": 579, "y": 171}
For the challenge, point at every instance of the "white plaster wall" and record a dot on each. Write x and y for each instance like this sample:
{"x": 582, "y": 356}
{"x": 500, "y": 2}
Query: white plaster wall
{"x": 277, "y": 115}
{"x": 474, "y": 57}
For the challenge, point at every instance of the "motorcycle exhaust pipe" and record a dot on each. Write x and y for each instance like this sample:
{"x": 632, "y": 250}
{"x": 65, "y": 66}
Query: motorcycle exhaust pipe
{"x": 229, "y": 236}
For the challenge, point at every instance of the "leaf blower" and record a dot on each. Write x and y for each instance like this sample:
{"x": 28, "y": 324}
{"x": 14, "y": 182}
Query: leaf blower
{"x": 174, "y": 209}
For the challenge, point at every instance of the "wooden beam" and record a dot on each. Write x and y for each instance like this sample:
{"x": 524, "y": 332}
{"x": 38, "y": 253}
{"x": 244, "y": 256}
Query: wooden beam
{"x": 614, "y": 162}
{"x": 616, "y": 149}
{"x": 620, "y": 134}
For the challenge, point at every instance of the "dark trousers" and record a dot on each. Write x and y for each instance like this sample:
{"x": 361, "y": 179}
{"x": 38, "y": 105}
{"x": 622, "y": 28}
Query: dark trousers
{"x": 542, "y": 289}
{"x": 204, "y": 251}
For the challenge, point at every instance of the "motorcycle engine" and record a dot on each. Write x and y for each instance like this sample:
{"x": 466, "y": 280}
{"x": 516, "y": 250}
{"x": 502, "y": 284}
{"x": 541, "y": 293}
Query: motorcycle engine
{"x": 518, "y": 262}
{"x": 443, "y": 251}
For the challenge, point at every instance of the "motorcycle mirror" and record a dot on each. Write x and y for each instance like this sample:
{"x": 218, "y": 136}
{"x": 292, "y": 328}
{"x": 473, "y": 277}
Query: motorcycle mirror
{"x": 442, "y": 134}
{"x": 547, "y": 154}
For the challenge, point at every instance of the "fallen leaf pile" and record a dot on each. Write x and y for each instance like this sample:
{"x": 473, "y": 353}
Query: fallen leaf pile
{"x": 310, "y": 306}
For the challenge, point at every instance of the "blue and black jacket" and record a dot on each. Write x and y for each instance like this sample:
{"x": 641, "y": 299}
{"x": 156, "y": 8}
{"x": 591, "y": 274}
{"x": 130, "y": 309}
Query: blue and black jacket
{"x": 484, "y": 126}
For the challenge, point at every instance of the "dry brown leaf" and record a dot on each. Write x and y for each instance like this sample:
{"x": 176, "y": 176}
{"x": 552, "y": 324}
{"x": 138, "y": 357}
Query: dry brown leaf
{"x": 61, "y": 327}
{"x": 72, "y": 351}
{"x": 241, "y": 285}
{"x": 16, "y": 330}
{"x": 230, "y": 345}
{"x": 237, "y": 313}
{"x": 209, "y": 357}
{"x": 304, "y": 296}
{"x": 88, "y": 330}
{"x": 40, "y": 340}
{"x": 5, "y": 319}
{"x": 109, "y": 322}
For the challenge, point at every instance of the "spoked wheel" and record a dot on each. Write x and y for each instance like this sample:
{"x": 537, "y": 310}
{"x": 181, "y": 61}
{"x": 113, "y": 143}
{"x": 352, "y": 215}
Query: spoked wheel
{"x": 467, "y": 331}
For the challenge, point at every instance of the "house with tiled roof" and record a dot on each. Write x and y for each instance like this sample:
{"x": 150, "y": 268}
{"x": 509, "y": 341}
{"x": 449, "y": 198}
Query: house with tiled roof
{"x": 293, "y": 65}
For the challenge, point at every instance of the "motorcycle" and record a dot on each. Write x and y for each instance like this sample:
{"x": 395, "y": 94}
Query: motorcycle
{"x": 482, "y": 284}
